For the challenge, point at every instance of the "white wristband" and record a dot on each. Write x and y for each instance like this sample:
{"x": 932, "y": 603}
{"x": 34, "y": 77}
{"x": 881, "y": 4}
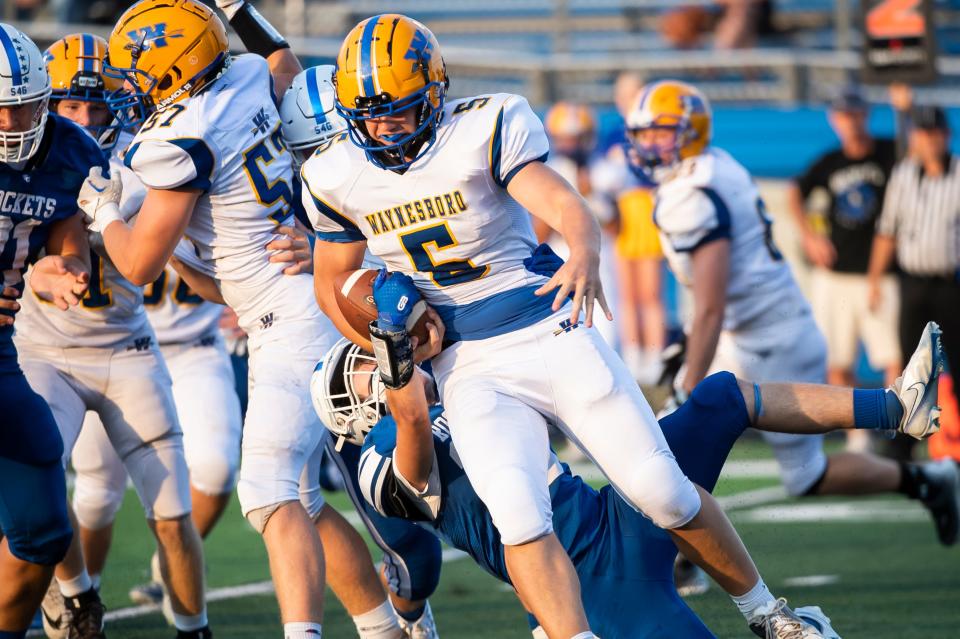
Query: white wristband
{"x": 106, "y": 215}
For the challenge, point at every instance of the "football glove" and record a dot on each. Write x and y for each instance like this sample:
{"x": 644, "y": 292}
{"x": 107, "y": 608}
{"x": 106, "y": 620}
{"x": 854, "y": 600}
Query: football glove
{"x": 395, "y": 296}
{"x": 99, "y": 199}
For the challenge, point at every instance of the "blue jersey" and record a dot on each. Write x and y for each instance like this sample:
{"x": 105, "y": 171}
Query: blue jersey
{"x": 44, "y": 191}
{"x": 625, "y": 563}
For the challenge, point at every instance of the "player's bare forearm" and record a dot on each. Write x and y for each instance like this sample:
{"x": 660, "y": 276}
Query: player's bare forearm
{"x": 701, "y": 346}
{"x": 800, "y": 408}
{"x": 414, "y": 452}
{"x": 69, "y": 238}
{"x": 881, "y": 256}
{"x": 284, "y": 67}
{"x": 200, "y": 283}
{"x": 329, "y": 260}
{"x": 141, "y": 252}
{"x": 710, "y": 266}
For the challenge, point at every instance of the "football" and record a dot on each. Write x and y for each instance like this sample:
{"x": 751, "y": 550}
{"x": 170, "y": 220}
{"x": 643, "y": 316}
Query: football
{"x": 355, "y": 300}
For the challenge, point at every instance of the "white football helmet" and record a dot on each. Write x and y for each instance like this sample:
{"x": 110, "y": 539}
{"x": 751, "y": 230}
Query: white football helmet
{"x": 23, "y": 80}
{"x": 307, "y": 114}
{"x": 348, "y": 396}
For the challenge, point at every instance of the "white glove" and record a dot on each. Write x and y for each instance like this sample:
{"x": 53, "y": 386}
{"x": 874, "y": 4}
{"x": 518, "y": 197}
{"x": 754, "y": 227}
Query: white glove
{"x": 230, "y": 7}
{"x": 99, "y": 199}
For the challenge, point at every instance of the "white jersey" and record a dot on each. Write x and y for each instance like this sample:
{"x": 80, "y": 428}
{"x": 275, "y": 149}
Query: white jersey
{"x": 448, "y": 220}
{"x": 714, "y": 197}
{"x": 112, "y": 310}
{"x": 226, "y": 141}
{"x": 177, "y": 314}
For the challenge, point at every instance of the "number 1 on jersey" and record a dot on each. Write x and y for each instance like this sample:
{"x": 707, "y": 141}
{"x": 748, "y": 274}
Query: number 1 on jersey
{"x": 446, "y": 273}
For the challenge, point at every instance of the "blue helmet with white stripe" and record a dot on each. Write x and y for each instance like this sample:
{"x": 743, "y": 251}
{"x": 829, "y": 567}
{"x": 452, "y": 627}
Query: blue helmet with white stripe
{"x": 24, "y": 82}
{"x": 308, "y": 115}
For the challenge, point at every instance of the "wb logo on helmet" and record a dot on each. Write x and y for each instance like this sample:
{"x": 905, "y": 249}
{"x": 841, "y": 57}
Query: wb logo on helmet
{"x": 419, "y": 51}
{"x": 153, "y": 36}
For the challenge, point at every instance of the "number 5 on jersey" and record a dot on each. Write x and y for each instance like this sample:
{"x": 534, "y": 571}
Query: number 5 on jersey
{"x": 256, "y": 164}
{"x": 446, "y": 273}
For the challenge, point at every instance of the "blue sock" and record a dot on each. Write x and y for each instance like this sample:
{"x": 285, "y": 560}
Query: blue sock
{"x": 877, "y": 409}
{"x": 10, "y": 634}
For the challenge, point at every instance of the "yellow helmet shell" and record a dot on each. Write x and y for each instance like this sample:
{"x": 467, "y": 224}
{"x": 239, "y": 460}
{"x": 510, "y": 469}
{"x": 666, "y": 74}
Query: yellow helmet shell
{"x": 75, "y": 66}
{"x": 570, "y": 119}
{"x": 388, "y": 58}
{"x": 670, "y": 103}
{"x": 168, "y": 48}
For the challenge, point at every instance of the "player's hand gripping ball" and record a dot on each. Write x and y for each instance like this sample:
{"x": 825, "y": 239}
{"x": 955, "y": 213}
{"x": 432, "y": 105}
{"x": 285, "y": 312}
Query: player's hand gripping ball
{"x": 355, "y": 298}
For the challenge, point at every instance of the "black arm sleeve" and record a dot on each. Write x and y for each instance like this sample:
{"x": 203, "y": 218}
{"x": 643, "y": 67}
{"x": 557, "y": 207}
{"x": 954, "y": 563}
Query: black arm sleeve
{"x": 257, "y": 35}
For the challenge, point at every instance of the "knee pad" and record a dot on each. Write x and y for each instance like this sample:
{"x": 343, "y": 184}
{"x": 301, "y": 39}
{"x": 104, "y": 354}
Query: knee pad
{"x": 258, "y": 517}
{"x": 801, "y": 459}
{"x": 521, "y": 512}
{"x": 33, "y": 513}
{"x": 95, "y": 505}
{"x": 412, "y": 559}
{"x": 159, "y": 474}
{"x": 213, "y": 470}
{"x": 660, "y": 490}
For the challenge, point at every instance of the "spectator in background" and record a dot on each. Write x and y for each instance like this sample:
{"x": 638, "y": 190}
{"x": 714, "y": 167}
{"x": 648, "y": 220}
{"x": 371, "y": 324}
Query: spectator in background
{"x": 920, "y": 225}
{"x": 854, "y": 177}
{"x": 735, "y": 23}
{"x": 572, "y": 129}
{"x": 639, "y": 261}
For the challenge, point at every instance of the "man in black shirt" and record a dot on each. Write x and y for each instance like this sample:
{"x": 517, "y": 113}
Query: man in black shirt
{"x": 854, "y": 178}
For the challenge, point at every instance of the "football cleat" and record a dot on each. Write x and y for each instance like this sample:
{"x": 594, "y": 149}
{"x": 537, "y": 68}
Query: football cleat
{"x": 422, "y": 628}
{"x": 689, "y": 578}
{"x": 941, "y": 496}
{"x": 815, "y": 617}
{"x": 86, "y": 615}
{"x": 916, "y": 388}
{"x": 53, "y": 610}
{"x": 777, "y": 621}
{"x": 152, "y": 591}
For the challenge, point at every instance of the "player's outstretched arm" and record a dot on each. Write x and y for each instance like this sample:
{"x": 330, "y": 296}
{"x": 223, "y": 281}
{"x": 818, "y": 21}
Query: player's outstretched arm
{"x": 330, "y": 259}
{"x": 200, "y": 283}
{"x": 549, "y": 197}
{"x": 262, "y": 38}
{"x": 711, "y": 267}
{"x": 62, "y": 277}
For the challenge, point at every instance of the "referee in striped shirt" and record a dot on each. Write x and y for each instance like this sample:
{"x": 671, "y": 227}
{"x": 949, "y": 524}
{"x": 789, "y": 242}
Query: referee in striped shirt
{"x": 920, "y": 224}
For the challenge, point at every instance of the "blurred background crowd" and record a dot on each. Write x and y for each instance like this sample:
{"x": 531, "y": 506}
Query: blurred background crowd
{"x": 856, "y": 167}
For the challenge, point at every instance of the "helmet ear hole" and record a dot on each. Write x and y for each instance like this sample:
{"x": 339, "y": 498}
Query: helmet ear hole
{"x": 165, "y": 83}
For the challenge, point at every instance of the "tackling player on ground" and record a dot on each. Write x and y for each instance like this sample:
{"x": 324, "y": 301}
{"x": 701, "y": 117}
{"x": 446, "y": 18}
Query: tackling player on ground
{"x": 407, "y": 471}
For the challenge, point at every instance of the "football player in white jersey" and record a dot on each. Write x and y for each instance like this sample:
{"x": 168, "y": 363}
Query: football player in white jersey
{"x": 749, "y": 316}
{"x": 102, "y": 356}
{"x": 216, "y": 170}
{"x": 187, "y": 331}
{"x": 441, "y": 192}
{"x": 308, "y": 119}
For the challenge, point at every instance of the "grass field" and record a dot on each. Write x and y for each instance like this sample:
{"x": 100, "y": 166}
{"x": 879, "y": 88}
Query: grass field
{"x": 874, "y": 566}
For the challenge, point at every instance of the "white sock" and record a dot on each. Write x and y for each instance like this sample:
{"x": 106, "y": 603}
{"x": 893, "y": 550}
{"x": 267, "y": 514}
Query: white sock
{"x": 187, "y": 623}
{"x": 754, "y": 599}
{"x": 584, "y": 635}
{"x": 301, "y": 630}
{"x": 95, "y": 581}
{"x": 379, "y": 623}
{"x": 73, "y": 587}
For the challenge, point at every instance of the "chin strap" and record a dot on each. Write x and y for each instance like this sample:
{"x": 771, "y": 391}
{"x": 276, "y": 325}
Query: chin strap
{"x": 394, "y": 354}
